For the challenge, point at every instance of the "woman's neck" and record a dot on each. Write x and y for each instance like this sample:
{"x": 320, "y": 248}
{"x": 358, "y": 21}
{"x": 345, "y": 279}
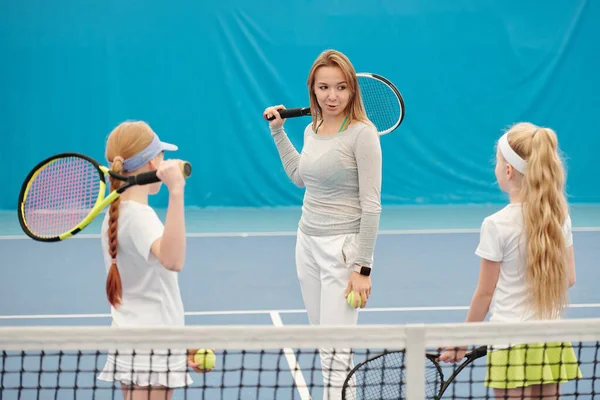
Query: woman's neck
{"x": 332, "y": 125}
{"x": 138, "y": 194}
{"x": 514, "y": 196}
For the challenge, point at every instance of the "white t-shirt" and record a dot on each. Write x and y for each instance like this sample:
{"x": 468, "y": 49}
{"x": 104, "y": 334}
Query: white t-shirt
{"x": 151, "y": 294}
{"x": 502, "y": 240}
{"x": 151, "y": 297}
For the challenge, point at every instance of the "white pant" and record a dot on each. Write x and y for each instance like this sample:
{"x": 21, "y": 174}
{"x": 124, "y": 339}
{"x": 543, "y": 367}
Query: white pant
{"x": 324, "y": 265}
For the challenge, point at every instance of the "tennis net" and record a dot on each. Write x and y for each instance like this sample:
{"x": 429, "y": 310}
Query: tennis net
{"x": 268, "y": 362}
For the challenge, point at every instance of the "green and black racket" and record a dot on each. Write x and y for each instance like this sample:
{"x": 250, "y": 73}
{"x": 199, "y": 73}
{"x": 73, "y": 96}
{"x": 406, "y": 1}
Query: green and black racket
{"x": 64, "y": 193}
{"x": 382, "y": 376}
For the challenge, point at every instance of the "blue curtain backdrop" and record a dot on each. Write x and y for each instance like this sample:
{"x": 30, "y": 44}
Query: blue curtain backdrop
{"x": 202, "y": 72}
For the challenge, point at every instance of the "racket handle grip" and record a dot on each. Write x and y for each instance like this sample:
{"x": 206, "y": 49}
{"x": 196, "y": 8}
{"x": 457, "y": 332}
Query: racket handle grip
{"x": 147, "y": 178}
{"x": 292, "y": 113}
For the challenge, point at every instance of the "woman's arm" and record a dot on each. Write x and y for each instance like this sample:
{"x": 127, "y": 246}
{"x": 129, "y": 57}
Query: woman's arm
{"x": 290, "y": 158}
{"x": 486, "y": 286}
{"x": 480, "y": 304}
{"x": 367, "y": 150}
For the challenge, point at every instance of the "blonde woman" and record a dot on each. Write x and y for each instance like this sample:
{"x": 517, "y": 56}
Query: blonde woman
{"x": 527, "y": 265}
{"x": 340, "y": 167}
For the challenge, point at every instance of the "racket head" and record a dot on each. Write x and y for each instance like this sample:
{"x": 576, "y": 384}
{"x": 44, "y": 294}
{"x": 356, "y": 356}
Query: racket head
{"x": 58, "y": 195}
{"x": 382, "y": 101}
{"x": 434, "y": 377}
{"x": 381, "y": 376}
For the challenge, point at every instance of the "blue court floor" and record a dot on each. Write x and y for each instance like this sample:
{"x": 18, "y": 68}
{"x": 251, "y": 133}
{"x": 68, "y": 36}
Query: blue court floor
{"x": 240, "y": 270}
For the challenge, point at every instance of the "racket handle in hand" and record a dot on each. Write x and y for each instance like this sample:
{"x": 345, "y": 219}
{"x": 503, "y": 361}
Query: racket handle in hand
{"x": 292, "y": 113}
{"x": 146, "y": 178}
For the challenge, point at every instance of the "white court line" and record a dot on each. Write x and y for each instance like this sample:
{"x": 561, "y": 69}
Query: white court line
{"x": 293, "y": 233}
{"x": 292, "y": 362}
{"x": 268, "y": 312}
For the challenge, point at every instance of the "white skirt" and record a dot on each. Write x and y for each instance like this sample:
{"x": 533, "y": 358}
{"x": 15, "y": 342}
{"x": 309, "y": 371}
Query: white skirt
{"x": 147, "y": 370}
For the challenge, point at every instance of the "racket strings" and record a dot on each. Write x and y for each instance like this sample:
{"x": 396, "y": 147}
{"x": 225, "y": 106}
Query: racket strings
{"x": 384, "y": 378}
{"x": 380, "y": 102}
{"x": 60, "y": 196}
{"x": 433, "y": 380}
{"x": 381, "y": 378}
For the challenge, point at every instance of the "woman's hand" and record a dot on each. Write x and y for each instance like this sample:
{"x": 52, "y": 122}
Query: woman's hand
{"x": 273, "y": 111}
{"x": 453, "y": 355}
{"x": 361, "y": 285}
{"x": 194, "y": 365}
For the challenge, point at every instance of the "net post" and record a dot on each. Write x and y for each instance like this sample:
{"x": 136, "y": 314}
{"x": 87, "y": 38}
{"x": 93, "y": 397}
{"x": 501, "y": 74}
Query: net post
{"x": 415, "y": 362}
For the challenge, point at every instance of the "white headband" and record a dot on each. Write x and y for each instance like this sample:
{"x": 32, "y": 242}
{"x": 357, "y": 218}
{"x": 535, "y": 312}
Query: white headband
{"x": 510, "y": 155}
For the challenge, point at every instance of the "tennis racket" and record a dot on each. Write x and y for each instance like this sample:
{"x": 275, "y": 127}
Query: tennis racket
{"x": 382, "y": 101}
{"x": 382, "y": 376}
{"x": 64, "y": 193}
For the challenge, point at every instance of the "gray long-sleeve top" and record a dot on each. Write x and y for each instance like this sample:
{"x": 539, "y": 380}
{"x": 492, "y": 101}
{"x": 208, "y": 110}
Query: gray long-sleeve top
{"x": 342, "y": 177}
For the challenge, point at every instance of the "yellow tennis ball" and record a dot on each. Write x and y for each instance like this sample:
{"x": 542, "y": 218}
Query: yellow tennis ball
{"x": 206, "y": 358}
{"x": 350, "y": 300}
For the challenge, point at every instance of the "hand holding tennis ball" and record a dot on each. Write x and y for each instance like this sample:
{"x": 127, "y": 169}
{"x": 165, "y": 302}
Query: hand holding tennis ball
{"x": 201, "y": 360}
{"x": 358, "y": 290}
{"x": 354, "y": 301}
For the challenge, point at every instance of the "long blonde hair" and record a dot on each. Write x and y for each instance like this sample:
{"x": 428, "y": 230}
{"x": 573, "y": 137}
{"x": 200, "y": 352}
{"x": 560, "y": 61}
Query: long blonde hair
{"x": 126, "y": 140}
{"x": 333, "y": 58}
{"x": 545, "y": 210}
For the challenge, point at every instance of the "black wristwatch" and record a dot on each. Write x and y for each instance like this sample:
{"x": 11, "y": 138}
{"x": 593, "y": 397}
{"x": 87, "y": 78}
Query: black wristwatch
{"x": 361, "y": 269}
